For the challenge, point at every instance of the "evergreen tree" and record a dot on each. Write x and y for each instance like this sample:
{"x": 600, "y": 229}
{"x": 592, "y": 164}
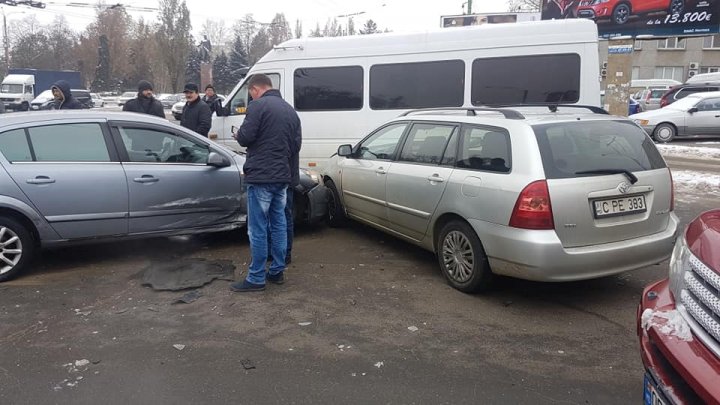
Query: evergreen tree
{"x": 259, "y": 46}
{"x": 316, "y": 33}
{"x": 192, "y": 66}
{"x": 222, "y": 73}
{"x": 102, "y": 80}
{"x": 279, "y": 30}
{"x": 238, "y": 60}
{"x": 369, "y": 28}
{"x": 298, "y": 29}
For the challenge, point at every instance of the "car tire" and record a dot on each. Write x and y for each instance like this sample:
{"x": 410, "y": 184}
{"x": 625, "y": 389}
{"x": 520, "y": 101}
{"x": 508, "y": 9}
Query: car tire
{"x": 462, "y": 258}
{"x": 14, "y": 237}
{"x": 336, "y": 217}
{"x": 664, "y": 133}
{"x": 676, "y": 7}
{"x": 621, "y": 14}
{"x": 25, "y": 107}
{"x": 177, "y": 117}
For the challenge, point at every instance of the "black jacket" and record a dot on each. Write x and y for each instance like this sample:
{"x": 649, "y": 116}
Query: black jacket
{"x": 272, "y": 135}
{"x": 196, "y": 116}
{"x": 214, "y": 103}
{"x": 69, "y": 102}
{"x": 145, "y": 105}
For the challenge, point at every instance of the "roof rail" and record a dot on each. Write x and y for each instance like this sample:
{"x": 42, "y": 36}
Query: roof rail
{"x": 554, "y": 107}
{"x": 472, "y": 111}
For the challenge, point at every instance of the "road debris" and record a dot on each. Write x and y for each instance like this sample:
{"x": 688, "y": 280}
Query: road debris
{"x": 189, "y": 297}
{"x": 179, "y": 347}
{"x": 247, "y": 364}
{"x": 186, "y": 273}
{"x": 305, "y": 323}
{"x": 379, "y": 364}
{"x": 413, "y": 328}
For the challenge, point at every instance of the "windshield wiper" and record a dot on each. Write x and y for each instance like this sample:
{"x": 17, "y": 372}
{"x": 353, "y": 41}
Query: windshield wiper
{"x": 633, "y": 179}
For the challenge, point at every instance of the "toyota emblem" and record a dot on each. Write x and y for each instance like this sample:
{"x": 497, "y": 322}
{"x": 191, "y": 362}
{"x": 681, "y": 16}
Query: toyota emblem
{"x": 623, "y": 187}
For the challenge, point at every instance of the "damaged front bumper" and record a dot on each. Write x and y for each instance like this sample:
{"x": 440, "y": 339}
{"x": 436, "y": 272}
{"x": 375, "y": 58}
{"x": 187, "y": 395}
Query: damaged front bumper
{"x": 316, "y": 205}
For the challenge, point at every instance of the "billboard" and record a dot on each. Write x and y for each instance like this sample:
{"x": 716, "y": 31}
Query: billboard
{"x": 465, "y": 20}
{"x": 659, "y": 18}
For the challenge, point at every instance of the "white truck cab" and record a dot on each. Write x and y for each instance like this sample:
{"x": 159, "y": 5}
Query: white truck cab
{"x": 17, "y": 91}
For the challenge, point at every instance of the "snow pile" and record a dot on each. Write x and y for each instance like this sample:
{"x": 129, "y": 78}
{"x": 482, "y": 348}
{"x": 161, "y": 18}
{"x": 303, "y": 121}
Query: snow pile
{"x": 669, "y": 323}
{"x": 689, "y": 152}
{"x": 688, "y": 182}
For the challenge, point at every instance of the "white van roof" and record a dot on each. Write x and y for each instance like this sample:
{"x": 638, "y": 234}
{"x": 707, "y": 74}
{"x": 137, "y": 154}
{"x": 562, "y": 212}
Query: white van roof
{"x": 653, "y": 83}
{"x": 19, "y": 79}
{"x": 705, "y": 78}
{"x": 521, "y": 34}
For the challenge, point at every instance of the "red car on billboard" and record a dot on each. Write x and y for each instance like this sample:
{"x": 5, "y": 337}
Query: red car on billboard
{"x": 619, "y": 11}
{"x": 679, "y": 321}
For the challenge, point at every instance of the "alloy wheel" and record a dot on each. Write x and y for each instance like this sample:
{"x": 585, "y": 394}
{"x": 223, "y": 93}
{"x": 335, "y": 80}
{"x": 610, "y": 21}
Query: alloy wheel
{"x": 10, "y": 249}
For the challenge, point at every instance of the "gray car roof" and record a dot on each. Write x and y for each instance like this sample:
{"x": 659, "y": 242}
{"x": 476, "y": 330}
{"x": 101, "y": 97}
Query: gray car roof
{"x": 12, "y": 119}
{"x": 531, "y": 118}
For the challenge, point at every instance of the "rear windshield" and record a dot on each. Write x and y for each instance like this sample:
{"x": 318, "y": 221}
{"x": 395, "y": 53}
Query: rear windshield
{"x": 569, "y": 148}
{"x": 657, "y": 93}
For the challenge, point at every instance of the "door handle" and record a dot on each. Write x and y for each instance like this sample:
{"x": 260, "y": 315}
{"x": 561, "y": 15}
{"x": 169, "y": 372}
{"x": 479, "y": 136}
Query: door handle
{"x": 436, "y": 179}
{"x": 146, "y": 179}
{"x": 380, "y": 170}
{"x": 40, "y": 180}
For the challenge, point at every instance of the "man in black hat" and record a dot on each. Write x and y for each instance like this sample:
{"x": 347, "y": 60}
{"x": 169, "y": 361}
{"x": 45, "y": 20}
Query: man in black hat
{"x": 145, "y": 103}
{"x": 196, "y": 115}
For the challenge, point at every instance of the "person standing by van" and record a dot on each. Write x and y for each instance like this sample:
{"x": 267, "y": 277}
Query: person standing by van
{"x": 145, "y": 102}
{"x": 267, "y": 132}
{"x": 196, "y": 115}
{"x": 212, "y": 100}
{"x": 64, "y": 99}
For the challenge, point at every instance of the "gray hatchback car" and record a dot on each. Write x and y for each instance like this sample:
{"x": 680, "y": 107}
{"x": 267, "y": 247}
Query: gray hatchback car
{"x": 541, "y": 195}
{"x": 82, "y": 176}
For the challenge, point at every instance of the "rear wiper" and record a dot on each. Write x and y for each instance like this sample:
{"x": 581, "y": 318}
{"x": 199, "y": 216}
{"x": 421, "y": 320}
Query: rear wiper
{"x": 633, "y": 179}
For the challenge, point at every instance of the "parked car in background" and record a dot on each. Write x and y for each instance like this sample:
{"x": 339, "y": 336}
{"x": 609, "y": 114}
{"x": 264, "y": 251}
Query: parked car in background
{"x": 634, "y": 106}
{"x": 679, "y": 92}
{"x": 98, "y": 102}
{"x": 619, "y": 11}
{"x": 538, "y": 195}
{"x": 678, "y": 321}
{"x": 125, "y": 97}
{"x": 149, "y": 178}
{"x": 45, "y": 100}
{"x": 168, "y": 100}
{"x": 696, "y": 114}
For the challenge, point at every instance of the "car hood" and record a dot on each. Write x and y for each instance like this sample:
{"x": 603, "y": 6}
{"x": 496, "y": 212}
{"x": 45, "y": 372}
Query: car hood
{"x": 663, "y": 113}
{"x": 703, "y": 238}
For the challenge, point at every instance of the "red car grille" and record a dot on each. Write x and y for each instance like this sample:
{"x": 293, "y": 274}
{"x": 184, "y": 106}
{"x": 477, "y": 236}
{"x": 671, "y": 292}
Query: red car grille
{"x": 701, "y": 297}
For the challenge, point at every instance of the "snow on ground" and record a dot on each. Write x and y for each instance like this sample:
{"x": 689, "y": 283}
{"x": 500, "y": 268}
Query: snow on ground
{"x": 669, "y": 323}
{"x": 689, "y": 152}
{"x": 690, "y": 185}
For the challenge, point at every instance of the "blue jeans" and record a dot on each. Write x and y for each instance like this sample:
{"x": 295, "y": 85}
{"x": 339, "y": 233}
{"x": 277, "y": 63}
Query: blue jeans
{"x": 289, "y": 207}
{"x": 266, "y": 211}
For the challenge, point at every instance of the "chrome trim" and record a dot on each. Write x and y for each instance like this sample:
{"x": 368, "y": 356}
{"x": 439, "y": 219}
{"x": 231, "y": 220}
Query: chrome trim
{"x": 163, "y": 164}
{"x": 705, "y": 272}
{"x": 65, "y": 163}
{"x": 697, "y": 320}
{"x": 366, "y": 198}
{"x": 705, "y": 296}
{"x": 181, "y": 211}
{"x": 699, "y": 302}
{"x": 417, "y": 213}
{"x": 86, "y": 217}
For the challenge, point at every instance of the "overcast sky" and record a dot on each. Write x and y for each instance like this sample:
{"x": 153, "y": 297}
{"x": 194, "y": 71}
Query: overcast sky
{"x": 397, "y": 15}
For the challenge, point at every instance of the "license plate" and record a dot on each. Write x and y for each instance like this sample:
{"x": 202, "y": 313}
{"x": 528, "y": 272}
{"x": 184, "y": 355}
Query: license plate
{"x": 619, "y": 206}
{"x": 651, "y": 396}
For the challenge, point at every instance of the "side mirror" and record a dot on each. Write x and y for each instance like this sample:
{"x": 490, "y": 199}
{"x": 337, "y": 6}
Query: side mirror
{"x": 693, "y": 110}
{"x": 344, "y": 150}
{"x": 217, "y": 160}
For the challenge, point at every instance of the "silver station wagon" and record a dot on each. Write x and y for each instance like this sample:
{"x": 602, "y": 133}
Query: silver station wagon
{"x": 82, "y": 176}
{"x": 547, "y": 194}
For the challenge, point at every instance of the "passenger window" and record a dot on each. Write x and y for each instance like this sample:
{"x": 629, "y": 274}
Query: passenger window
{"x": 241, "y": 99}
{"x": 417, "y": 85}
{"x": 426, "y": 143}
{"x": 382, "y": 144}
{"x": 508, "y": 80}
{"x": 712, "y": 104}
{"x": 152, "y": 146}
{"x": 329, "y": 88}
{"x": 69, "y": 143}
{"x": 450, "y": 155}
{"x": 14, "y": 146}
{"x": 485, "y": 149}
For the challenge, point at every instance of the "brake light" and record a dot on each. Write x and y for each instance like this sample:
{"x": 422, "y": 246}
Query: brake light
{"x": 533, "y": 209}
{"x": 672, "y": 192}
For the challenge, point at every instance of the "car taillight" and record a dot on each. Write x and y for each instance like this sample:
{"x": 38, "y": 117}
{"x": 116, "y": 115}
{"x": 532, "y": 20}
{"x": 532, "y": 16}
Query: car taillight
{"x": 533, "y": 209}
{"x": 672, "y": 192}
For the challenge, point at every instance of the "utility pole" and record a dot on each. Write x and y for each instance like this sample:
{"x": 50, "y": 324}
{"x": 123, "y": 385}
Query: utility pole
{"x": 6, "y": 41}
{"x": 469, "y": 6}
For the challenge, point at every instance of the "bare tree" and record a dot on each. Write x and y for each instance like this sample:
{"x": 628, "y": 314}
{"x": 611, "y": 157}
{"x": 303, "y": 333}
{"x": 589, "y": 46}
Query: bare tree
{"x": 218, "y": 34}
{"x": 279, "y": 29}
{"x": 524, "y": 6}
{"x": 174, "y": 39}
{"x": 246, "y": 28}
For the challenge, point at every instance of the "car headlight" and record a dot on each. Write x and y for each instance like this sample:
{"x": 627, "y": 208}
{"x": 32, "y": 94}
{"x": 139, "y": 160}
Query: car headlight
{"x": 315, "y": 176}
{"x": 642, "y": 122}
{"x": 678, "y": 266}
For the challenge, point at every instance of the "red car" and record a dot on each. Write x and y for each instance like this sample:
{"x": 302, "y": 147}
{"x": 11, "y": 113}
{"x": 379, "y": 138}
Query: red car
{"x": 679, "y": 321}
{"x": 619, "y": 11}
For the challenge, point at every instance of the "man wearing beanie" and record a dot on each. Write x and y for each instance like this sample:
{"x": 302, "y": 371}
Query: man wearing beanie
{"x": 145, "y": 103}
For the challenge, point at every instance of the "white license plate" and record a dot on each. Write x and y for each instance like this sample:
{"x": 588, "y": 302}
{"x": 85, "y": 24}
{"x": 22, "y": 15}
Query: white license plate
{"x": 650, "y": 393}
{"x": 619, "y": 206}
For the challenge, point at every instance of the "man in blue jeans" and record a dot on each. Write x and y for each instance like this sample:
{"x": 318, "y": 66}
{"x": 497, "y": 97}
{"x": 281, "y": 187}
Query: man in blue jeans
{"x": 269, "y": 132}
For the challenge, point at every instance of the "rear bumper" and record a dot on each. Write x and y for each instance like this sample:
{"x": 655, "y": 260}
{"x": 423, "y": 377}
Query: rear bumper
{"x": 685, "y": 372}
{"x": 540, "y": 256}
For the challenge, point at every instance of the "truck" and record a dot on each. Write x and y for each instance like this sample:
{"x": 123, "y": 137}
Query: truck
{"x": 21, "y": 86}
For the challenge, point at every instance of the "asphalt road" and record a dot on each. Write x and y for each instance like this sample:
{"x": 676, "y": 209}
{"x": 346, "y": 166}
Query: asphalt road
{"x": 360, "y": 291}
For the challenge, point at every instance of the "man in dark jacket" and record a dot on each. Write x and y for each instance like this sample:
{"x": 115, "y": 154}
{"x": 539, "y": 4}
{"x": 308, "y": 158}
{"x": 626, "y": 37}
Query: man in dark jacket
{"x": 64, "y": 99}
{"x": 145, "y": 103}
{"x": 212, "y": 100}
{"x": 270, "y": 132}
{"x": 196, "y": 115}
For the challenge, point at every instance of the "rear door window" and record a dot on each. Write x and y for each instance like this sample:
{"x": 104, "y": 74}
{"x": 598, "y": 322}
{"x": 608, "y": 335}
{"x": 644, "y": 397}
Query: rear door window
{"x": 486, "y": 149}
{"x": 570, "y": 148}
{"x": 69, "y": 143}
